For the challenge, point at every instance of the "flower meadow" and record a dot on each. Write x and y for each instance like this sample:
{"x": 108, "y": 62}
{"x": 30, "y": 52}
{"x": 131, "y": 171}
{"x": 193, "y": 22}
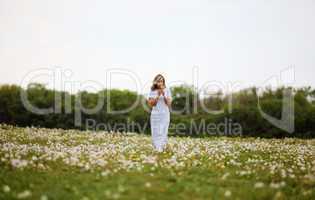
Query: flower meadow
{"x": 39, "y": 163}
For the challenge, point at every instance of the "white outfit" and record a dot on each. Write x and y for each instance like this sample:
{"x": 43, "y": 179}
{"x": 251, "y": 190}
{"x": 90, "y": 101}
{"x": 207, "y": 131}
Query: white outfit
{"x": 159, "y": 119}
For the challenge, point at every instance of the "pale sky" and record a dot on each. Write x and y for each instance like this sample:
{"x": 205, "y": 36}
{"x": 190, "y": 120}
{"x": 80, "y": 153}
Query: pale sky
{"x": 228, "y": 40}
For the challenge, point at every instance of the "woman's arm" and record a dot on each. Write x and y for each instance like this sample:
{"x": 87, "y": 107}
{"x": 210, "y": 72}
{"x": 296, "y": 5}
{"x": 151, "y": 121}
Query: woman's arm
{"x": 153, "y": 101}
{"x": 167, "y": 99}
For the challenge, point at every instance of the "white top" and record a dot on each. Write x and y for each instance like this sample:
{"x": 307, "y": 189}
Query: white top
{"x": 160, "y": 107}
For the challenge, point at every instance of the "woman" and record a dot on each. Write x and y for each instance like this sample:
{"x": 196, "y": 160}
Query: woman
{"x": 159, "y": 99}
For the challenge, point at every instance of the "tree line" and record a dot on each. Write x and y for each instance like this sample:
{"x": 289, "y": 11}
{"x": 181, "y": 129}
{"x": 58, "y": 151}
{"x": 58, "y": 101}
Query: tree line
{"x": 243, "y": 112}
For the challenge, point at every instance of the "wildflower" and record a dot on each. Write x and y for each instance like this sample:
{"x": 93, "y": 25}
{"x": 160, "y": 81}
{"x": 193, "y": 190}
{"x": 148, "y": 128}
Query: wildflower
{"x": 259, "y": 185}
{"x": 225, "y": 175}
{"x": 147, "y": 184}
{"x": 24, "y": 194}
{"x": 227, "y": 193}
{"x": 6, "y": 189}
{"x": 43, "y": 197}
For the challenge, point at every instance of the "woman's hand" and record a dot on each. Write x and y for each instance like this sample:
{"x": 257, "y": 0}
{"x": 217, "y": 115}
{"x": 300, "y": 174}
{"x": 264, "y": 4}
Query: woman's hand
{"x": 167, "y": 100}
{"x": 160, "y": 92}
{"x": 153, "y": 101}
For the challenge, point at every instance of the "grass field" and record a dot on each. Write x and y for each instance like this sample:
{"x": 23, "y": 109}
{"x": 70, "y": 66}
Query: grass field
{"x": 68, "y": 164}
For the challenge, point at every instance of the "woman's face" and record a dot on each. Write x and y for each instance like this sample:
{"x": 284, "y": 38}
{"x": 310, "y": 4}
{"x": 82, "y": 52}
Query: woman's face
{"x": 160, "y": 83}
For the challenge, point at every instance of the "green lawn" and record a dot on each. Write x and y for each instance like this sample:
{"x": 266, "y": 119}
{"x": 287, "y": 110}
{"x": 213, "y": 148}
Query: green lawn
{"x": 58, "y": 164}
